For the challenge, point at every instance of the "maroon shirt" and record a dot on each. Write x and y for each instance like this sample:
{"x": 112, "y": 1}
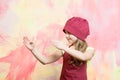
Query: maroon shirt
{"x": 71, "y": 71}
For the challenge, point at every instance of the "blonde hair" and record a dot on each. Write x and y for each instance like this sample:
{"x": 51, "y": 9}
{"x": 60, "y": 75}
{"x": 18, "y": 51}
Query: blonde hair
{"x": 80, "y": 46}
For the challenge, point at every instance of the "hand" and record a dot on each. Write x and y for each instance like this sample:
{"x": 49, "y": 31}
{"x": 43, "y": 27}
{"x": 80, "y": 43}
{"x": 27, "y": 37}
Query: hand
{"x": 58, "y": 44}
{"x": 30, "y": 45}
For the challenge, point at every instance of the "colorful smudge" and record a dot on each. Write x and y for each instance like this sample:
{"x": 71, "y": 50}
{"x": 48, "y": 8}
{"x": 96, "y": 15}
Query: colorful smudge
{"x": 21, "y": 62}
{"x": 45, "y": 19}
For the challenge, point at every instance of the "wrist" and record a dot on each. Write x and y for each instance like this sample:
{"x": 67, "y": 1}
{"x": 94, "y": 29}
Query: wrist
{"x": 65, "y": 48}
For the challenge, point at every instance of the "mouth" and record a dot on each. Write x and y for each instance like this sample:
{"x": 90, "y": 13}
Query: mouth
{"x": 69, "y": 40}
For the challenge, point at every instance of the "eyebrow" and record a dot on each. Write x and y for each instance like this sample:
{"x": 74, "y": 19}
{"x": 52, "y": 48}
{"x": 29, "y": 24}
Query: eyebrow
{"x": 67, "y": 32}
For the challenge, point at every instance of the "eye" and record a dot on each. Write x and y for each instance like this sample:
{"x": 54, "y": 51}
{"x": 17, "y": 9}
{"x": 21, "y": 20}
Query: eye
{"x": 66, "y": 32}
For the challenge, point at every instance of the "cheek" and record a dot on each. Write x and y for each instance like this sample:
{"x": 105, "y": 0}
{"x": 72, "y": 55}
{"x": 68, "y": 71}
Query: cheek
{"x": 74, "y": 38}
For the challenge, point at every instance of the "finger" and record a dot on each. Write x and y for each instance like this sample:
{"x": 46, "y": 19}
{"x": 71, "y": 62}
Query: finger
{"x": 26, "y": 39}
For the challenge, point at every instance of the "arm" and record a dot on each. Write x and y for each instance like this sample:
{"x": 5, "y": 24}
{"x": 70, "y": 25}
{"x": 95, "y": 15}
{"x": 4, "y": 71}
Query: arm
{"x": 47, "y": 59}
{"x": 35, "y": 51}
{"x": 87, "y": 55}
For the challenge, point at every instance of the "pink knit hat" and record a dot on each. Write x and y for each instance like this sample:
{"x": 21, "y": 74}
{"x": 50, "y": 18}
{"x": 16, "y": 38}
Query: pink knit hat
{"x": 78, "y": 27}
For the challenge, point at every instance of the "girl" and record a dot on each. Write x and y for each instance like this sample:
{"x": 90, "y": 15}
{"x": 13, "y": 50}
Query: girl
{"x": 75, "y": 55}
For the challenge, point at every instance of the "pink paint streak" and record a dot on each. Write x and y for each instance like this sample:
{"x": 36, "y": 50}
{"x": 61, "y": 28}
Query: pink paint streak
{"x": 22, "y": 64}
{"x": 2, "y": 39}
{"x": 118, "y": 54}
{"x": 3, "y": 7}
{"x": 53, "y": 31}
{"x": 105, "y": 34}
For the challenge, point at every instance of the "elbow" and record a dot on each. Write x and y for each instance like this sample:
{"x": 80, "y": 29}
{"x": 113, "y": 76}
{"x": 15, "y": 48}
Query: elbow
{"x": 86, "y": 58}
{"x": 82, "y": 58}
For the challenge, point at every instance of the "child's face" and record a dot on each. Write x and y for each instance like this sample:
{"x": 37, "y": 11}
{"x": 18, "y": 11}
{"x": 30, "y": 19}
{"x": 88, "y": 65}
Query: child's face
{"x": 70, "y": 38}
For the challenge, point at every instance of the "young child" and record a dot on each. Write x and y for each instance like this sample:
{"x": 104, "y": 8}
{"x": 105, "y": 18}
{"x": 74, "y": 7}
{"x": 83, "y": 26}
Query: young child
{"x": 75, "y": 56}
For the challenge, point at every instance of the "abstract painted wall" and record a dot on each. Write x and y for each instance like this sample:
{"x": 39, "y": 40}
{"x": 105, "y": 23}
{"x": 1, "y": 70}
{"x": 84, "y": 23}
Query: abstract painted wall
{"x": 43, "y": 20}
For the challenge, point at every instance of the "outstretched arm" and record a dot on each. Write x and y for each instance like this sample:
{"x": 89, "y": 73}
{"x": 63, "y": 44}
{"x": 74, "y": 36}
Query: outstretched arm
{"x": 35, "y": 51}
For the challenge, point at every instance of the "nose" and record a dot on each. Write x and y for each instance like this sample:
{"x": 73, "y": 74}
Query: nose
{"x": 67, "y": 36}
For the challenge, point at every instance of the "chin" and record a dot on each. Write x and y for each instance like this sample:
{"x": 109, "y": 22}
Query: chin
{"x": 70, "y": 42}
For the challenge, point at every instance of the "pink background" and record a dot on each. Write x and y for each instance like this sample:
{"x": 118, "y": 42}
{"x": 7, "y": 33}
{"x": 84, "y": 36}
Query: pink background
{"x": 44, "y": 20}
